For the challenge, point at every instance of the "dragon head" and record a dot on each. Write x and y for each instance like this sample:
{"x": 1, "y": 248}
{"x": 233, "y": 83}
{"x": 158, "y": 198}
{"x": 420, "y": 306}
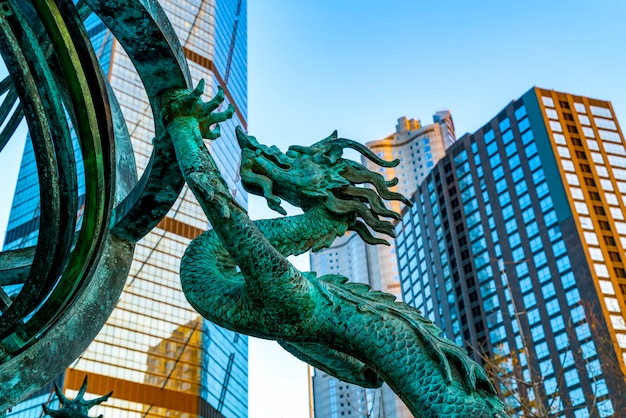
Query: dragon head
{"x": 314, "y": 176}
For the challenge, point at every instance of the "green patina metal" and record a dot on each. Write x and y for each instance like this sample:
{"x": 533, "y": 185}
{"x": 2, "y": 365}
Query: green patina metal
{"x": 235, "y": 275}
{"x": 71, "y": 279}
{"x": 77, "y": 407}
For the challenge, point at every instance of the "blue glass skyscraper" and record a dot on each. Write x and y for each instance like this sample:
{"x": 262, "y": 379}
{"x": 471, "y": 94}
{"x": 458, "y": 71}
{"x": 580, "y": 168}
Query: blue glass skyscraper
{"x": 515, "y": 247}
{"x": 155, "y": 352}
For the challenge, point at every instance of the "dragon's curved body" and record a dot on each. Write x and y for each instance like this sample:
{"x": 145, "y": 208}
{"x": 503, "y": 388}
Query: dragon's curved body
{"x": 237, "y": 274}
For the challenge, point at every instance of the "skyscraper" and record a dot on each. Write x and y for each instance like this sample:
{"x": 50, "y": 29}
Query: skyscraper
{"x": 515, "y": 247}
{"x": 418, "y": 148}
{"x": 157, "y": 355}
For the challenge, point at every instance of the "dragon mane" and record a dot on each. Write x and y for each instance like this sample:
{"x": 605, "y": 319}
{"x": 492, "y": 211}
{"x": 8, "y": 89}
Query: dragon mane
{"x": 310, "y": 176}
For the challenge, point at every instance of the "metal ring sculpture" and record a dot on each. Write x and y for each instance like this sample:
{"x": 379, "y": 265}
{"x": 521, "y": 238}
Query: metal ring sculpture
{"x": 74, "y": 275}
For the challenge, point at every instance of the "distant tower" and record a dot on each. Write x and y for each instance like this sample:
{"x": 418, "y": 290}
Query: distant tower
{"x": 516, "y": 247}
{"x": 154, "y": 352}
{"x": 418, "y": 148}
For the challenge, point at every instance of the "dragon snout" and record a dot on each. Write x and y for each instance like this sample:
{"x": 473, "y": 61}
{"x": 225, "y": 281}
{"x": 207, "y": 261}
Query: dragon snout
{"x": 243, "y": 139}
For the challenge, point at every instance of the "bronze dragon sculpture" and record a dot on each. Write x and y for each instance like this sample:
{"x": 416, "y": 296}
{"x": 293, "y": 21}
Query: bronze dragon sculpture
{"x": 238, "y": 276}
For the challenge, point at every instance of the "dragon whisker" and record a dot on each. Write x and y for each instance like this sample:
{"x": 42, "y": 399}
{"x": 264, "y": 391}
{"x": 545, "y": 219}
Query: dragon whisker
{"x": 360, "y": 228}
{"x": 369, "y": 196}
{"x": 342, "y": 206}
{"x": 392, "y": 182}
{"x": 364, "y": 151}
{"x": 358, "y": 174}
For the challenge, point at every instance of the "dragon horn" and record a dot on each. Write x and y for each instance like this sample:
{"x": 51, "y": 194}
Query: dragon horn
{"x": 366, "y": 152}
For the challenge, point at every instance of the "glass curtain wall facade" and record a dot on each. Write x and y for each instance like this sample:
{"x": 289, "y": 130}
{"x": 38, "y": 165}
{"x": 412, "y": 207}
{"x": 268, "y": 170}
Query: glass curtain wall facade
{"x": 157, "y": 355}
{"x": 418, "y": 148}
{"x": 515, "y": 247}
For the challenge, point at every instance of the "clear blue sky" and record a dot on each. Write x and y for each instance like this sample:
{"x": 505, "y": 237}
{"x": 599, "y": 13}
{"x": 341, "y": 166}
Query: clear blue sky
{"x": 357, "y": 66}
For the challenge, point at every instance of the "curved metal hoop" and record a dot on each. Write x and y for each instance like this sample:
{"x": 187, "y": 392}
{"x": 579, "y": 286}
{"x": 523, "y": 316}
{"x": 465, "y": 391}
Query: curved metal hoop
{"x": 153, "y": 47}
{"x": 72, "y": 279}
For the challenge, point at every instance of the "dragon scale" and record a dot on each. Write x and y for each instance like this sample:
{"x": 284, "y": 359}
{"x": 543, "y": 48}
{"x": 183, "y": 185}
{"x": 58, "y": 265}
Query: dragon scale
{"x": 237, "y": 275}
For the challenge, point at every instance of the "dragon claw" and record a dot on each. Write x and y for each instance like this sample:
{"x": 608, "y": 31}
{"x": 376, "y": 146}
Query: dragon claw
{"x": 216, "y": 101}
{"x": 214, "y": 119}
{"x": 197, "y": 92}
{"x": 176, "y": 103}
{"x": 74, "y": 408}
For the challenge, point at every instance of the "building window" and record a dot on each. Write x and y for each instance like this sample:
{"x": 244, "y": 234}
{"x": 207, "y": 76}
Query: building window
{"x": 548, "y": 291}
{"x": 600, "y": 111}
{"x": 581, "y": 413}
{"x": 557, "y": 323}
{"x": 563, "y": 264}
{"x": 593, "y": 368}
{"x": 580, "y": 108}
{"x": 544, "y": 273}
{"x": 567, "y": 359}
{"x": 527, "y": 136}
{"x": 577, "y": 396}
{"x": 552, "y": 114}
{"x": 555, "y": 126}
{"x": 588, "y": 349}
{"x": 542, "y": 350}
{"x": 540, "y": 259}
{"x": 550, "y": 385}
{"x": 537, "y": 333}
{"x": 583, "y": 332}
{"x": 605, "y": 408}
{"x": 561, "y": 341}
{"x": 577, "y": 314}
{"x": 530, "y": 300}
{"x": 550, "y": 218}
{"x": 533, "y": 314}
{"x": 571, "y": 378}
{"x": 553, "y": 307}
{"x": 521, "y": 269}
{"x": 547, "y": 101}
{"x": 573, "y": 297}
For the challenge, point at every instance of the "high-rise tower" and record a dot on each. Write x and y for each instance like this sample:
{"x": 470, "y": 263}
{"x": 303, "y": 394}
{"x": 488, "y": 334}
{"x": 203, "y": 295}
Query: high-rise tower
{"x": 155, "y": 352}
{"x": 516, "y": 247}
{"x": 418, "y": 148}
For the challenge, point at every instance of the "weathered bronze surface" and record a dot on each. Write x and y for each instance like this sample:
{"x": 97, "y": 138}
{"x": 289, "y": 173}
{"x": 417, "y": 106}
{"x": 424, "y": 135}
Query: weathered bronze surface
{"x": 235, "y": 275}
{"x": 71, "y": 278}
{"x": 77, "y": 407}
